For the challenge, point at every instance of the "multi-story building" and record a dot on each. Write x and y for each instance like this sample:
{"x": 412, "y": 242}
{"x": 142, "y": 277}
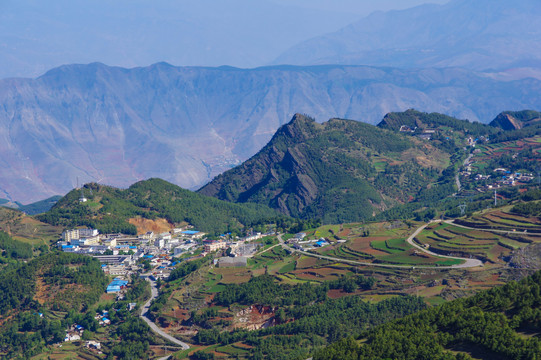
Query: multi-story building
{"x": 215, "y": 245}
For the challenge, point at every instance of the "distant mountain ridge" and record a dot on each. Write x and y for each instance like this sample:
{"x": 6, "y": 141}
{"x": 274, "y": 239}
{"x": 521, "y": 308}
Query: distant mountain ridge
{"x": 480, "y": 35}
{"x": 34, "y": 208}
{"x": 188, "y": 124}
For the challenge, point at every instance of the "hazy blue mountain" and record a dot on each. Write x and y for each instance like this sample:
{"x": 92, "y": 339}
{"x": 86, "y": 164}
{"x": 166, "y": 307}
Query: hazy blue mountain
{"x": 37, "y": 207}
{"x": 36, "y": 36}
{"x": 187, "y": 124}
{"x": 480, "y": 35}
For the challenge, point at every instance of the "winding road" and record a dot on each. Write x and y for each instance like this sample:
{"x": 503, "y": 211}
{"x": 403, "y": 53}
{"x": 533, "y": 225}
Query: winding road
{"x": 155, "y": 328}
{"x": 468, "y": 263}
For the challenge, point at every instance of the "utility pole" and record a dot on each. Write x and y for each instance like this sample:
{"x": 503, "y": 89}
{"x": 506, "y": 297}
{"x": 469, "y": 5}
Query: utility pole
{"x": 462, "y": 209}
{"x": 495, "y": 198}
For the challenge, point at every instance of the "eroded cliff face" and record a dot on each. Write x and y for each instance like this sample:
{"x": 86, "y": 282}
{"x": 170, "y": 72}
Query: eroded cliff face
{"x": 278, "y": 174}
{"x": 515, "y": 120}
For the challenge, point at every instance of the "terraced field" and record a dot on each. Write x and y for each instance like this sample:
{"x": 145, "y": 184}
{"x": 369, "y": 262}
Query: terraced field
{"x": 480, "y": 243}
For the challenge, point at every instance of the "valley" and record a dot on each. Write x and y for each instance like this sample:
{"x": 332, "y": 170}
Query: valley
{"x": 168, "y": 191}
{"x": 252, "y": 271}
{"x": 341, "y": 260}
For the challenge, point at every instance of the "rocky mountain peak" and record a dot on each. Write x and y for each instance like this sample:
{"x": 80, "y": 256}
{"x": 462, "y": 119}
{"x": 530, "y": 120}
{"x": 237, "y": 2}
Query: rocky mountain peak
{"x": 515, "y": 120}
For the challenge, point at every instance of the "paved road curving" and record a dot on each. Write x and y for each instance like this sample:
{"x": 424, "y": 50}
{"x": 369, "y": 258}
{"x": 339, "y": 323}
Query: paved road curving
{"x": 153, "y": 326}
{"x": 468, "y": 263}
{"x": 451, "y": 222}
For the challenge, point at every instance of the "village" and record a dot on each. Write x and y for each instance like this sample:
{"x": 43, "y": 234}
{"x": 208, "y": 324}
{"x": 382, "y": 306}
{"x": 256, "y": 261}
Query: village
{"x": 152, "y": 254}
{"x": 149, "y": 256}
{"x": 487, "y": 179}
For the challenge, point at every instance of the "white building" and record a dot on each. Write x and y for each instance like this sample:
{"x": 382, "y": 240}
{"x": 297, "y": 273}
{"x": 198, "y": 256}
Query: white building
{"x": 165, "y": 236}
{"x": 75, "y": 234}
{"x": 86, "y": 233}
{"x": 69, "y": 235}
{"x": 215, "y": 245}
{"x": 86, "y": 241}
{"x": 159, "y": 243}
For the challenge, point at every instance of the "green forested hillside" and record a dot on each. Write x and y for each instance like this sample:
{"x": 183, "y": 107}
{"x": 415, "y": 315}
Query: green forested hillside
{"x": 338, "y": 171}
{"x": 60, "y": 281}
{"x": 305, "y": 318}
{"x": 108, "y": 208}
{"x": 517, "y": 125}
{"x": 57, "y": 282}
{"x": 44, "y": 297}
{"x": 502, "y": 323}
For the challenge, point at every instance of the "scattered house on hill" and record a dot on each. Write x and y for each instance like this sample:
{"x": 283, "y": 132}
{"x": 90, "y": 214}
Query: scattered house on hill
{"x": 116, "y": 270}
{"x": 109, "y": 242}
{"x": 76, "y": 234}
{"x": 321, "y": 243}
{"x": 115, "y": 259}
{"x": 252, "y": 237}
{"x": 70, "y": 248}
{"x": 93, "y": 345}
{"x": 406, "y": 128}
{"x": 86, "y": 241}
{"x": 159, "y": 242}
{"x": 72, "y": 337}
{"x": 74, "y": 333}
{"x": 165, "y": 235}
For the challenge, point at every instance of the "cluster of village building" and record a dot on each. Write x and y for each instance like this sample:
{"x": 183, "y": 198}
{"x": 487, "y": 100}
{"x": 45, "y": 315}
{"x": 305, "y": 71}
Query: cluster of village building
{"x": 123, "y": 255}
{"x": 499, "y": 177}
{"x": 120, "y": 254}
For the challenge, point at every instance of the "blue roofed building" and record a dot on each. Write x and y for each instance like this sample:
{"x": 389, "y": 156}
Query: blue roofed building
{"x": 321, "y": 243}
{"x": 116, "y": 285}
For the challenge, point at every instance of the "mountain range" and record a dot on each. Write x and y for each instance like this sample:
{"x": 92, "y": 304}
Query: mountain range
{"x": 345, "y": 171}
{"x": 188, "y": 124}
{"x": 479, "y": 35}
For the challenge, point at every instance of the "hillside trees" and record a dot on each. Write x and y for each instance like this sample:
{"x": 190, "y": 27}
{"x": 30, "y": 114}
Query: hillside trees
{"x": 488, "y": 323}
{"x": 109, "y": 209}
